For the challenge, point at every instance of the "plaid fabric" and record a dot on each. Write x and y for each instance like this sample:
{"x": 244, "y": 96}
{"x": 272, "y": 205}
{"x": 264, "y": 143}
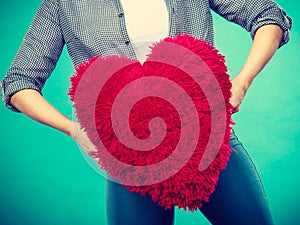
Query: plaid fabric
{"x": 97, "y": 27}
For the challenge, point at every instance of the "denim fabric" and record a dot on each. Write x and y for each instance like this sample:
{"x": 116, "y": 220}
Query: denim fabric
{"x": 239, "y": 198}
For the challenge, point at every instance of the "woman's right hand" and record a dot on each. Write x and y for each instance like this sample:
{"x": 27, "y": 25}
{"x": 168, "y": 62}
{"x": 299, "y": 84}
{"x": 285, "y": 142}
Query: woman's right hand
{"x": 81, "y": 137}
{"x": 34, "y": 105}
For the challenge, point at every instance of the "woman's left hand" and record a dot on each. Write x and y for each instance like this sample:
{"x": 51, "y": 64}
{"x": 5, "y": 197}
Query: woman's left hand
{"x": 238, "y": 91}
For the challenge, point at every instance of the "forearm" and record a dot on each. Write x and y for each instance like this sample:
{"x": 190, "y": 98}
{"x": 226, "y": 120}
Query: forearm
{"x": 265, "y": 43}
{"x": 31, "y": 103}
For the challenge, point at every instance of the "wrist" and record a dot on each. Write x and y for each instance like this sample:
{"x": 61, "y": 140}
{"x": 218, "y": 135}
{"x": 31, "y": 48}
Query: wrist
{"x": 244, "y": 80}
{"x": 68, "y": 127}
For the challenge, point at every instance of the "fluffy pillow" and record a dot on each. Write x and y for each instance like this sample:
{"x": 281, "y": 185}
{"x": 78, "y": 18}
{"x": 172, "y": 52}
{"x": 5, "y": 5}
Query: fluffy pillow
{"x": 161, "y": 128}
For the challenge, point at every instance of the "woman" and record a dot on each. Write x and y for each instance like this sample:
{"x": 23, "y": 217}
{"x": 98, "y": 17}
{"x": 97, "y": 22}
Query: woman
{"x": 104, "y": 27}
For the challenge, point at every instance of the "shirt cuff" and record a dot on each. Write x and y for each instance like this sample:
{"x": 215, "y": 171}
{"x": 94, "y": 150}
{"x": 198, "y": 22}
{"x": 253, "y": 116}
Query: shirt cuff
{"x": 278, "y": 17}
{"x": 9, "y": 90}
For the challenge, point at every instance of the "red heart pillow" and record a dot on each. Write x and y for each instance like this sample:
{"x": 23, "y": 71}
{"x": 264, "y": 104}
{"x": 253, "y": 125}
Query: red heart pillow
{"x": 161, "y": 128}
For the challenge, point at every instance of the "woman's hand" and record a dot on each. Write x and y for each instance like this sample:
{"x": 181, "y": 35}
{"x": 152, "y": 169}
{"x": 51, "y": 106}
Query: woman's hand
{"x": 80, "y": 136}
{"x": 238, "y": 91}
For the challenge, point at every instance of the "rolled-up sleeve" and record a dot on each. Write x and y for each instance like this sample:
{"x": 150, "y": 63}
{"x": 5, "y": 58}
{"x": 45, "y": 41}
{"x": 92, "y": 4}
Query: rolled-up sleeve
{"x": 37, "y": 55}
{"x": 252, "y": 14}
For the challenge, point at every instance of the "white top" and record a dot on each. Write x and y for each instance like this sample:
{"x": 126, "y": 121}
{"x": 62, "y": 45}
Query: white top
{"x": 147, "y": 21}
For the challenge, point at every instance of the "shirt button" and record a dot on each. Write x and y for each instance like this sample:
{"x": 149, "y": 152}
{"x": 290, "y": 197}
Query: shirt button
{"x": 127, "y": 42}
{"x": 121, "y": 14}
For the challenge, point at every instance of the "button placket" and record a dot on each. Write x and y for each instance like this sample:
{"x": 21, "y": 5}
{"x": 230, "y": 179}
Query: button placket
{"x": 172, "y": 9}
{"x": 123, "y": 28}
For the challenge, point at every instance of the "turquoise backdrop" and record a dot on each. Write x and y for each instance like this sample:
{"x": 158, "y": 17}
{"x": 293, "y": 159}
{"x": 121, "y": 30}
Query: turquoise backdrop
{"x": 44, "y": 178}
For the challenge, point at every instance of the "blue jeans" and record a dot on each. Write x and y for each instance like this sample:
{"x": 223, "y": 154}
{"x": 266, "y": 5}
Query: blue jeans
{"x": 239, "y": 198}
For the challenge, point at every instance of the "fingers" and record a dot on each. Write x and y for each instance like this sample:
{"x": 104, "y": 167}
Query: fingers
{"x": 235, "y": 109}
{"x": 235, "y": 104}
{"x": 238, "y": 92}
{"x": 94, "y": 155}
{"x": 91, "y": 150}
{"x": 84, "y": 142}
{"x": 89, "y": 147}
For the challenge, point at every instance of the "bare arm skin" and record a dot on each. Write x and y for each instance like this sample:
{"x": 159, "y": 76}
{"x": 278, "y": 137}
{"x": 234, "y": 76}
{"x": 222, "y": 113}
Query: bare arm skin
{"x": 34, "y": 105}
{"x": 31, "y": 103}
{"x": 266, "y": 41}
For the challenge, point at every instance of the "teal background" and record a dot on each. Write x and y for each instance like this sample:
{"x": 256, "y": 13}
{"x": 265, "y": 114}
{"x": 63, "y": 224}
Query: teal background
{"x": 45, "y": 178}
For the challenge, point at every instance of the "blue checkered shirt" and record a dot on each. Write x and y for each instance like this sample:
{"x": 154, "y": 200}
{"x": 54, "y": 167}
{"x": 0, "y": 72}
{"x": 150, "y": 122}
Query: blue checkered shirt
{"x": 97, "y": 27}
